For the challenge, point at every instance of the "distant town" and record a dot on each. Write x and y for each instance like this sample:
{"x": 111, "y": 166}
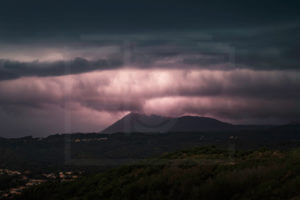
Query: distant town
{"x": 19, "y": 181}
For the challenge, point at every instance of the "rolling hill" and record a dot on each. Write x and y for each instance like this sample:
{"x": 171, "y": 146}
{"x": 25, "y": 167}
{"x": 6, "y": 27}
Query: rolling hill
{"x": 198, "y": 173}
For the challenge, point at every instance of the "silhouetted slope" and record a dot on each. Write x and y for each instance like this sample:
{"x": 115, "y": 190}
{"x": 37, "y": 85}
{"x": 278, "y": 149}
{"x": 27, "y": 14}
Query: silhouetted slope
{"x": 199, "y": 173}
{"x": 135, "y": 122}
{"x": 192, "y": 124}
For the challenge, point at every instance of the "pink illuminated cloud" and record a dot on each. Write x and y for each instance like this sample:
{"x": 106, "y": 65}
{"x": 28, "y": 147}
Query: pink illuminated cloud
{"x": 96, "y": 99}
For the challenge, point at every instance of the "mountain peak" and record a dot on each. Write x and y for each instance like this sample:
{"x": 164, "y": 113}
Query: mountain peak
{"x": 137, "y": 122}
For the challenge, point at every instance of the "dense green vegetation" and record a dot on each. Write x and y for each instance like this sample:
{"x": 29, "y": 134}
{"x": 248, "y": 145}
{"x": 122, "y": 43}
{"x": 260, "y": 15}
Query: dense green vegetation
{"x": 199, "y": 173}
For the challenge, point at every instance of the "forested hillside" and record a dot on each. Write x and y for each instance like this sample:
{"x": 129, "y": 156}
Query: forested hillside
{"x": 198, "y": 173}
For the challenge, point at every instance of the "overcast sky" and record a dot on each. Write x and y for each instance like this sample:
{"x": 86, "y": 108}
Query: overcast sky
{"x": 69, "y": 66}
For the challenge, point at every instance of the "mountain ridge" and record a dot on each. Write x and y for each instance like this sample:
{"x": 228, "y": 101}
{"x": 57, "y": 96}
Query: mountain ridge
{"x": 136, "y": 122}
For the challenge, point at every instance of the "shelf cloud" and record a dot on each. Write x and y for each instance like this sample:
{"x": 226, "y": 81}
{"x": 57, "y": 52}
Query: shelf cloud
{"x": 92, "y": 63}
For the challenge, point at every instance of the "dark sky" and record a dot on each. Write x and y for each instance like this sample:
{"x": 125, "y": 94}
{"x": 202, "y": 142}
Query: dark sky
{"x": 49, "y": 17}
{"x": 68, "y": 66}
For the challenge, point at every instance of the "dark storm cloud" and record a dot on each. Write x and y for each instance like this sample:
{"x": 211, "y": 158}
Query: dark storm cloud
{"x": 91, "y": 15}
{"x": 273, "y": 47}
{"x": 169, "y": 50}
{"x": 15, "y": 69}
{"x": 226, "y": 59}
